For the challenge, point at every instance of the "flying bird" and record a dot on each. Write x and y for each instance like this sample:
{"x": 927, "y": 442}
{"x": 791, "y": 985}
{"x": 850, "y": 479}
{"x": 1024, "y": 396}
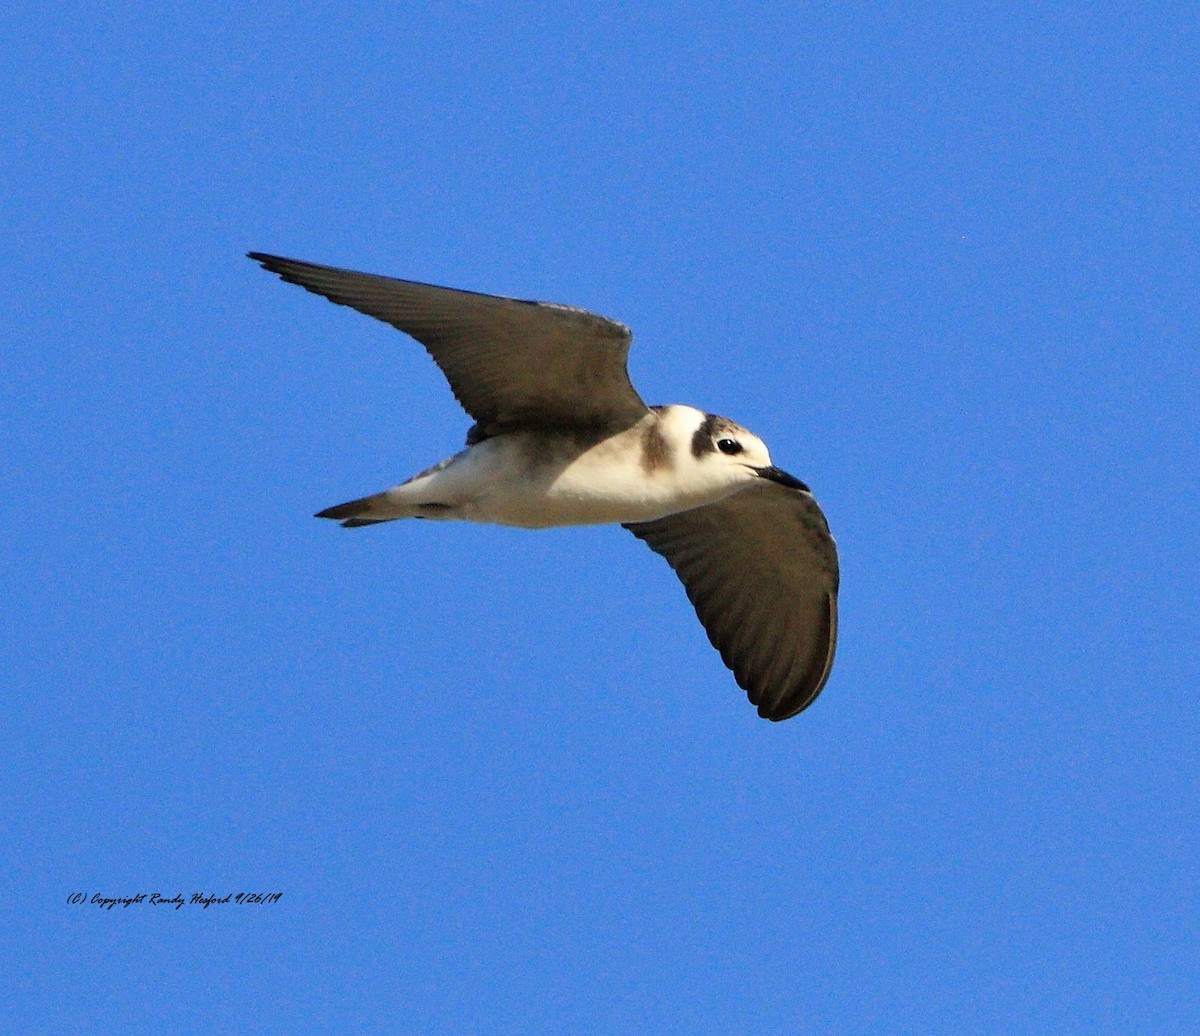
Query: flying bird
{"x": 561, "y": 437}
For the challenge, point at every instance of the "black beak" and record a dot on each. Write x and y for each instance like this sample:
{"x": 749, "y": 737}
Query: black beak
{"x": 775, "y": 474}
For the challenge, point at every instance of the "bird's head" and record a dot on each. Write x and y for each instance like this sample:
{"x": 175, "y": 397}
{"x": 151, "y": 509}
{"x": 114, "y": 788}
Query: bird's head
{"x": 720, "y": 452}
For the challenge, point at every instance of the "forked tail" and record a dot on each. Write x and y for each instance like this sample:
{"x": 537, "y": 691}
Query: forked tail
{"x": 381, "y": 507}
{"x": 367, "y": 510}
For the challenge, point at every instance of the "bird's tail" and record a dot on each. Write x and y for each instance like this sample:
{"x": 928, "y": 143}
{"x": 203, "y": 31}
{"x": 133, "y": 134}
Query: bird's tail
{"x": 367, "y": 510}
{"x": 387, "y": 506}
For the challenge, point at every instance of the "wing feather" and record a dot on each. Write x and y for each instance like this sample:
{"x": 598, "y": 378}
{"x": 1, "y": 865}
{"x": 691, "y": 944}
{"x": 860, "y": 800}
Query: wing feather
{"x": 510, "y": 363}
{"x": 761, "y": 570}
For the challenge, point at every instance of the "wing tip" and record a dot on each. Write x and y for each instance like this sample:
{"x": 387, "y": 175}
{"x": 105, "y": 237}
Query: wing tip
{"x": 787, "y": 708}
{"x": 812, "y": 681}
{"x": 273, "y": 263}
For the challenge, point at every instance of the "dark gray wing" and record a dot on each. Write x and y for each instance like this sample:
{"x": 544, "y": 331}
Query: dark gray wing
{"x": 509, "y": 362}
{"x": 762, "y": 572}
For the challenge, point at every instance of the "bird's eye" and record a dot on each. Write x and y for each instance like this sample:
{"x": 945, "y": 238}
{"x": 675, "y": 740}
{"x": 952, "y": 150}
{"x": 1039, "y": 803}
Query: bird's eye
{"x": 729, "y": 446}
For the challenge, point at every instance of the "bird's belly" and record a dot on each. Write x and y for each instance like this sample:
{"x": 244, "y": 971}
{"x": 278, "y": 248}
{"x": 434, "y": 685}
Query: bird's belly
{"x": 544, "y": 512}
{"x": 527, "y": 482}
{"x": 583, "y": 498}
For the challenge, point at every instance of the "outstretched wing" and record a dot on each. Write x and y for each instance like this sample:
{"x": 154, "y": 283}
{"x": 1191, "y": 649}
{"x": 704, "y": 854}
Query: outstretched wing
{"x": 509, "y": 362}
{"x": 761, "y": 570}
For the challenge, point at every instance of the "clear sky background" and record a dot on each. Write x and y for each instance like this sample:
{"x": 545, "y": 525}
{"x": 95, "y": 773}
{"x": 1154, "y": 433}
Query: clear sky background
{"x": 942, "y": 257}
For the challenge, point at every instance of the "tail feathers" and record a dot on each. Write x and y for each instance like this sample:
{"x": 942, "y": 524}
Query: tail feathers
{"x": 368, "y": 510}
{"x": 383, "y": 507}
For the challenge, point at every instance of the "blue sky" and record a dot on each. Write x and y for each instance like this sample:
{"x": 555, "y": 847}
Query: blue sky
{"x": 941, "y": 257}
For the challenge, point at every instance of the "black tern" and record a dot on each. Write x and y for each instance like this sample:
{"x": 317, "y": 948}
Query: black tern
{"x": 562, "y": 438}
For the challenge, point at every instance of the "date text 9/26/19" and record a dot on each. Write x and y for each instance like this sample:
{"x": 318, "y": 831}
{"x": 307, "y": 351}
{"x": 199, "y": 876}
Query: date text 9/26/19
{"x": 200, "y": 899}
